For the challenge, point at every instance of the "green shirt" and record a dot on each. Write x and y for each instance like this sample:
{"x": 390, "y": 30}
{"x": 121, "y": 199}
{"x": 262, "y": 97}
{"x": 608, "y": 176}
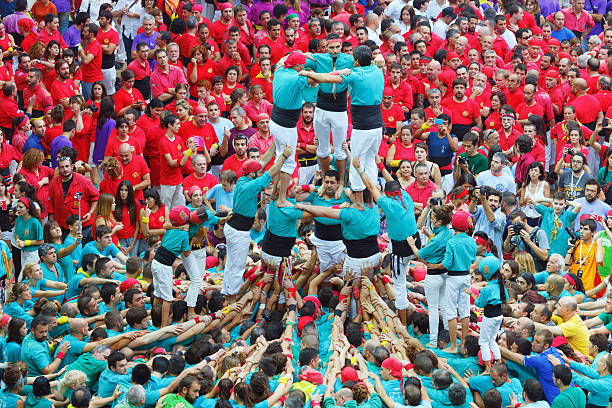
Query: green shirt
{"x": 35, "y": 402}
{"x": 36, "y": 355}
{"x": 325, "y": 63}
{"x": 401, "y": 223}
{"x": 435, "y": 248}
{"x": 171, "y": 400}
{"x": 90, "y": 366}
{"x": 606, "y": 243}
{"x": 285, "y": 220}
{"x": 288, "y": 87}
{"x": 555, "y": 227}
{"x": 316, "y": 199}
{"x": 365, "y": 85}
{"x": 176, "y": 241}
{"x": 600, "y": 176}
{"x": 29, "y": 229}
{"x": 571, "y": 397}
{"x": 245, "y": 193}
{"x": 359, "y": 224}
{"x": 476, "y": 163}
{"x": 460, "y": 253}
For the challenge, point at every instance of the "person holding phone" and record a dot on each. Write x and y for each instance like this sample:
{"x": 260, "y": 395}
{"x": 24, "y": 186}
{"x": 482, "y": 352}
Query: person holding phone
{"x": 128, "y": 97}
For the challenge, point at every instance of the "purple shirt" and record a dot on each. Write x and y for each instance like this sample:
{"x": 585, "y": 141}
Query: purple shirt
{"x": 151, "y": 41}
{"x": 101, "y": 141}
{"x": 256, "y": 9}
{"x": 72, "y": 36}
{"x": 56, "y": 145}
{"x": 248, "y": 132}
{"x": 62, "y": 5}
{"x": 599, "y": 7}
{"x": 548, "y": 7}
{"x": 10, "y": 22}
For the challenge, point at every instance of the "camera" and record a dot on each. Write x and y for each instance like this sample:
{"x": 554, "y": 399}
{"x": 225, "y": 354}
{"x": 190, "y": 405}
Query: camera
{"x": 435, "y": 201}
{"x": 483, "y": 190}
{"x": 573, "y": 236}
{"x": 517, "y": 227}
{"x": 92, "y": 108}
{"x": 462, "y": 160}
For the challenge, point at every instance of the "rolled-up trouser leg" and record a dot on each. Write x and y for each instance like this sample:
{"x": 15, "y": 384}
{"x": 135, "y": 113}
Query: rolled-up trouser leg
{"x": 237, "y": 244}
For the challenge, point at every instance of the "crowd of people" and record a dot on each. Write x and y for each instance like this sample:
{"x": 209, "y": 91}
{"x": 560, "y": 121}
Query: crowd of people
{"x": 305, "y": 203}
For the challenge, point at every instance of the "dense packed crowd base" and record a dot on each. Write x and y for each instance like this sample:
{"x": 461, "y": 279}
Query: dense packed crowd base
{"x": 305, "y": 203}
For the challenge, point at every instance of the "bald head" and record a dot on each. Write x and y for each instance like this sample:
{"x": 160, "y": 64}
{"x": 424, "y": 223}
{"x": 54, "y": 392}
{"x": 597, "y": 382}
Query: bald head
{"x": 77, "y": 325}
{"x": 555, "y": 284}
{"x": 569, "y": 303}
{"x": 580, "y": 85}
{"x": 125, "y": 153}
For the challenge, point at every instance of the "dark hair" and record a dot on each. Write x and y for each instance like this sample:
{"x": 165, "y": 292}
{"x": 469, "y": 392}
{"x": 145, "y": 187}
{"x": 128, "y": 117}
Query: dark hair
{"x": 141, "y": 374}
{"x": 14, "y": 326}
{"x": 106, "y": 112}
{"x": 563, "y": 374}
{"x": 41, "y": 387}
{"x": 492, "y": 398}
{"x": 130, "y": 202}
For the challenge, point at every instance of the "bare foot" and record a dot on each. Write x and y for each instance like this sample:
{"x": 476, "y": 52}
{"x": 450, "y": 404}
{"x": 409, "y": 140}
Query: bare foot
{"x": 283, "y": 203}
{"x": 339, "y": 193}
{"x": 451, "y": 350}
{"x": 432, "y": 345}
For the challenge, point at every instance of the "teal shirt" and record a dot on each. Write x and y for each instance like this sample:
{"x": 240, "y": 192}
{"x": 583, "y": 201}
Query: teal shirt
{"x": 35, "y": 402}
{"x": 401, "y": 223}
{"x": 245, "y": 193}
{"x": 460, "y": 253}
{"x": 76, "y": 348}
{"x": 92, "y": 248}
{"x": 324, "y": 63}
{"x": 13, "y": 352}
{"x": 463, "y": 364}
{"x": 30, "y": 229}
{"x": 49, "y": 275}
{"x": 14, "y": 309}
{"x": 365, "y": 85}
{"x": 65, "y": 262}
{"x": 176, "y": 241}
{"x": 489, "y": 295}
{"x": 76, "y": 255}
{"x": 483, "y": 383}
{"x": 287, "y": 89}
{"x": 316, "y": 199}
{"x": 36, "y": 355}
{"x": 598, "y": 387}
{"x": 210, "y": 221}
{"x": 558, "y": 243}
{"x": 358, "y": 224}
{"x": 433, "y": 252}
{"x": 285, "y": 220}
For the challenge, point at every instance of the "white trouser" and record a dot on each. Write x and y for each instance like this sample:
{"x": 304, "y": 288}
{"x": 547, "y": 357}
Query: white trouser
{"x": 28, "y": 257}
{"x": 398, "y": 271}
{"x": 356, "y": 264}
{"x": 457, "y": 301}
{"x": 282, "y": 137}
{"x": 435, "y": 288}
{"x": 488, "y": 336}
{"x": 307, "y": 174}
{"x": 110, "y": 77}
{"x": 195, "y": 270}
{"x": 336, "y": 123}
{"x": 277, "y": 262}
{"x": 364, "y": 145}
{"x": 172, "y": 196}
{"x": 237, "y": 245}
{"x": 329, "y": 253}
{"x": 162, "y": 280}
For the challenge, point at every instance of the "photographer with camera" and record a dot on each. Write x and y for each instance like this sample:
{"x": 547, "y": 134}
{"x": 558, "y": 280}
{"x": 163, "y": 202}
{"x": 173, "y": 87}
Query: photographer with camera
{"x": 488, "y": 216}
{"x": 555, "y": 219}
{"x": 424, "y": 223}
{"x": 496, "y": 177}
{"x": 573, "y": 180}
{"x": 591, "y": 204}
{"x": 582, "y": 256}
{"x": 524, "y": 238}
{"x": 470, "y": 161}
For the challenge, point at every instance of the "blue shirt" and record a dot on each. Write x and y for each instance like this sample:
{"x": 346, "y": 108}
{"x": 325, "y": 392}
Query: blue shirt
{"x": 401, "y": 223}
{"x": 489, "y": 295}
{"x": 325, "y": 63}
{"x": 221, "y": 197}
{"x": 543, "y": 369}
{"x": 365, "y": 85}
{"x": 109, "y": 252}
{"x": 483, "y": 383}
{"x": 563, "y": 34}
{"x": 285, "y": 220}
{"x": 245, "y": 193}
{"x": 433, "y": 252}
{"x": 57, "y": 143}
{"x": 76, "y": 348}
{"x": 287, "y": 89}
{"x": 460, "y": 253}
{"x": 14, "y": 309}
{"x": 494, "y": 230}
{"x": 359, "y": 224}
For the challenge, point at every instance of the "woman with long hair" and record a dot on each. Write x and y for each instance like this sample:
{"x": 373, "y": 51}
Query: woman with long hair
{"x": 183, "y": 111}
{"x": 17, "y": 330}
{"x": 52, "y": 234}
{"x": 19, "y": 302}
{"x": 405, "y": 18}
{"x": 493, "y": 121}
{"x": 526, "y": 281}
{"x": 47, "y": 62}
{"x": 256, "y": 103}
{"x": 104, "y": 216}
{"x": 20, "y": 128}
{"x": 40, "y": 286}
{"x": 574, "y": 285}
{"x": 238, "y": 97}
{"x": 28, "y": 230}
{"x": 82, "y": 116}
{"x": 14, "y": 380}
{"x": 150, "y": 124}
{"x": 402, "y": 149}
{"x": 525, "y": 263}
{"x": 104, "y": 126}
{"x": 534, "y": 188}
{"x": 200, "y": 68}
{"x": 113, "y": 172}
{"x": 126, "y": 212}
{"x": 153, "y": 215}
{"x": 37, "y": 175}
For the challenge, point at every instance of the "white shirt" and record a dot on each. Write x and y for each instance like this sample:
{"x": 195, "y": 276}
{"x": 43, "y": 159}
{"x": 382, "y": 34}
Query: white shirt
{"x": 510, "y": 38}
{"x": 434, "y": 9}
{"x": 129, "y": 25}
{"x": 220, "y": 127}
{"x": 373, "y": 35}
{"x": 93, "y": 8}
{"x": 440, "y": 28}
{"x": 394, "y": 9}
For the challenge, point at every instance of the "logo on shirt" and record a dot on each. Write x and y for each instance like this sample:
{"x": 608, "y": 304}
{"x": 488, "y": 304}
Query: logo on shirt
{"x": 161, "y": 219}
{"x": 390, "y": 118}
{"x": 75, "y": 204}
{"x": 26, "y": 232}
{"x": 465, "y": 114}
{"x": 135, "y": 174}
{"x": 210, "y": 70}
{"x": 178, "y": 146}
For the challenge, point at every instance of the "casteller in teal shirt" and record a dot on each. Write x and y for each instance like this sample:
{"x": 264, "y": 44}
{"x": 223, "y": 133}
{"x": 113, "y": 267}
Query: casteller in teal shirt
{"x": 460, "y": 253}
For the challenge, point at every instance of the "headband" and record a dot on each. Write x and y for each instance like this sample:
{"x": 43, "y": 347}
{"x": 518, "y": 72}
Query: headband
{"x": 5, "y": 319}
{"x": 567, "y": 278}
{"x": 25, "y": 202}
{"x": 481, "y": 241}
{"x": 334, "y": 40}
{"x": 461, "y": 194}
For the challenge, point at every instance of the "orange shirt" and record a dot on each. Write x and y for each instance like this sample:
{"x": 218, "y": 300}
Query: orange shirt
{"x": 39, "y": 10}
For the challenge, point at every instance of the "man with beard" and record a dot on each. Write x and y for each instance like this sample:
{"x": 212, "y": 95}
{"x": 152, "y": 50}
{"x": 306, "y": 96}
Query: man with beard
{"x": 573, "y": 180}
{"x": 274, "y": 40}
{"x": 235, "y": 161}
{"x": 466, "y": 112}
{"x": 188, "y": 391}
{"x": 330, "y": 114}
{"x": 21, "y": 75}
{"x": 306, "y": 144}
{"x": 592, "y": 206}
{"x": 35, "y": 351}
{"x": 109, "y": 40}
{"x": 35, "y": 96}
{"x": 289, "y": 45}
{"x": 63, "y": 87}
{"x": 135, "y": 170}
{"x": 489, "y": 217}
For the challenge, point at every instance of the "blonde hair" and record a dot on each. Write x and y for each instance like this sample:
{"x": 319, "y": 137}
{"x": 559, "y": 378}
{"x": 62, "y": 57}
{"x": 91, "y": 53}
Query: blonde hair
{"x": 72, "y": 379}
{"x": 27, "y": 269}
{"x": 112, "y": 167}
{"x": 15, "y": 290}
{"x": 105, "y": 204}
{"x": 525, "y": 262}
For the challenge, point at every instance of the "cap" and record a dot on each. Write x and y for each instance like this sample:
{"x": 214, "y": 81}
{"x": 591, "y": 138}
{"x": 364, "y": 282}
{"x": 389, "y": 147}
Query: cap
{"x": 315, "y": 300}
{"x": 394, "y": 366}
{"x": 211, "y": 261}
{"x": 127, "y": 284}
{"x": 387, "y": 91}
{"x": 198, "y": 215}
{"x": 179, "y": 215}
{"x": 311, "y": 375}
{"x": 552, "y": 74}
{"x": 554, "y": 41}
{"x": 251, "y": 166}
{"x": 263, "y": 116}
{"x": 537, "y": 30}
{"x": 348, "y": 374}
{"x": 488, "y": 266}
{"x": 159, "y": 350}
{"x": 26, "y": 23}
{"x": 197, "y": 7}
{"x": 193, "y": 189}
{"x": 462, "y": 221}
{"x": 295, "y": 58}
{"x": 291, "y": 16}
{"x": 199, "y": 109}
{"x": 558, "y": 341}
{"x": 5, "y": 319}
{"x": 451, "y": 55}
{"x": 224, "y": 6}
{"x": 564, "y": 54}
{"x": 534, "y": 42}
{"x": 448, "y": 12}
{"x": 610, "y": 213}
{"x": 303, "y": 321}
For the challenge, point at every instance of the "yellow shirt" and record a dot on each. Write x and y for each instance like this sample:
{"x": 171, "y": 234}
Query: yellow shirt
{"x": 576, "y": 333}
{"x": 584, "y": 260}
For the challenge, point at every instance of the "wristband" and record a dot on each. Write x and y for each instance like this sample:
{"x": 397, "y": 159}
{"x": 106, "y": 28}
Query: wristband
{"x": 177, "y": 282}
{"x": 305, "y": 188}
{"x": 408, "y": 366}
{"x": 425, "y": 126}
{"x": 226, "y": 310}
{"x": 27, "y": 242}
{"x": 290, "y": 323}
{"x": 214, "y": 145}
{"x": 380, "y": 166}
{"x": 260, "y": 284}
{"x": 197, "y": 319}
{"x": 370, "y": 326}
{"x": 282, "y": 380}
{"x": 292, "y": 308}
{"x": 188, "y": 152}
{"x": 385, "y": 279}
{"x": 342, "y": 298}
{"x": 338, "y": 313}
{"x": 62, "y": 320}
{"x": 395, "y": 163}
{"x": 353, "y": 360}
{"x": 145, "y": 220}
{"x": 207, "y": 359}
{"x": 61, "y": 355}
{"x": 384, "y": 343}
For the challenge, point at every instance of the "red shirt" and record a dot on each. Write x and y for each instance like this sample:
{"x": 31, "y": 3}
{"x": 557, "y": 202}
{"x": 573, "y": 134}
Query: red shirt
{"x": 276, "y": 46}
{"x": 204, "y": 136}
{"x": 463, "y": 112}
{"x": 45, "y": 37}
{"x": 205, "y": 183}
{"x": 139, "y": 136}
{"x": 60, "y": 90}
{"x": 218, "y": 29}
{"x": 515, "y": 98}
{"x": 20, "y": 80}
{"x": 6, "y": 73}
{"x": 206, "y": 71}
{"x": 43, "y": 98}
{"x": 140, "y": 72}
{"x": 92, "y": 72}
{"x": 7, "y": 154}
{"x": 134, "y": 172}
{"x": 128, "y": 228}
{"x": 392, "y": 115}
{"x": 587, "y": 108}
{"x": 507, "y": 141}
{"x": 186, "y": 42}
{"x": 421, "y": 194}
{"x": 112, "y": 145}
{"x": 109, "y": 37}
{"x": 402, "y": 94}
{"x": 64, "y": 205}
{"x": 8, "y": 111}
{"x": 524, "y": 111}
{"x": 125, "y": 98}
{"x": 234, "y": 163}
{"x": 171, "y": 176}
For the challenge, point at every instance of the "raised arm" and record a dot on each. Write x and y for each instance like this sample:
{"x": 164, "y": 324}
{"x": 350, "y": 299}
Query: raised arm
{"x": 364, "y": 177}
